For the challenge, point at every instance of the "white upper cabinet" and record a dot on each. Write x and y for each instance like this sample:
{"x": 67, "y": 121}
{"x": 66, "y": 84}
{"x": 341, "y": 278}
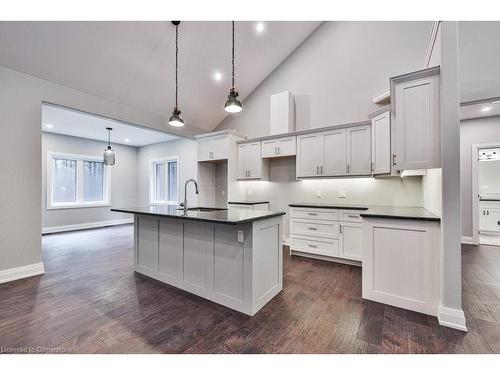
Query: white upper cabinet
{"x": 359, "y": 151}
{"x": 334, "y": 150}
{"x": 250, "y": 163}
{"x": 309, "y": 154}
{"x": 280, "y": 147}
{"x": 282, "y": 113}
{"x": 417, "y": 120}
{"x": 213, "y": 148}
{"x": 381, "y": 143}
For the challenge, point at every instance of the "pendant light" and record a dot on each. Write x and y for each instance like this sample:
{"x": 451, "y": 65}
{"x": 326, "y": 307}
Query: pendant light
{"x": 233, "y": 105}
{"x": 176, "y": 119}
{"x": 109, "y": 154}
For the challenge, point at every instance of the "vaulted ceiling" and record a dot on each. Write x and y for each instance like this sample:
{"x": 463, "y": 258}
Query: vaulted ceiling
{"x": 133, "y": 62}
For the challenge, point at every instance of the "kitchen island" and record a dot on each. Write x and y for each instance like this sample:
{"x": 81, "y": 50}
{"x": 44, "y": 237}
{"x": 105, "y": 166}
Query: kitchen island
{"x": 230, "y": 256}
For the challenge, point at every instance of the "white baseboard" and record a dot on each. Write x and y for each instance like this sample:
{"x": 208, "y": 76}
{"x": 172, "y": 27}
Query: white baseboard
{"x": 97, "y": 224}
{"x": 453, "y": 318}
{"x": 22, "y": 272}
{"x": 467, "y": 240}
{"x": 286, "y": 241}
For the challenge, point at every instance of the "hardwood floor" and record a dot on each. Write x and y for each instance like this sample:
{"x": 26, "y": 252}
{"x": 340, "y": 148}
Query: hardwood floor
{"x": 90, "y": 301}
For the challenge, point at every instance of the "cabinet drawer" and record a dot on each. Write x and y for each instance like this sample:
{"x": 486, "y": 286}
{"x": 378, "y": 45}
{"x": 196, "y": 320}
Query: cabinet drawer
{"x": 315, "y": 246}
{"x": 351, "y": 216}
{"x": 314, "y": 228}
{"x": 315, "y": 213}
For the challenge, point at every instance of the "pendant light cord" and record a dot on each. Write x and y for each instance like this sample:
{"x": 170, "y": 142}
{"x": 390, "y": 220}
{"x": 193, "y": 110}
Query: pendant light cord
{"x": 109, "y": 137}
{"x": 176, "y": 63}
{"x": 232, "y": 54}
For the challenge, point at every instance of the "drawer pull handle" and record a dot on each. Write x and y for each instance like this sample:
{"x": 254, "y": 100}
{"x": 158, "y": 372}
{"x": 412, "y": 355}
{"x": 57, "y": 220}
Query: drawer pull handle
{"x": 312, "y": 228}
{"x": 312, "y": 214}
{"x": 313, "y": 246}
{"x": 354, "y": 216}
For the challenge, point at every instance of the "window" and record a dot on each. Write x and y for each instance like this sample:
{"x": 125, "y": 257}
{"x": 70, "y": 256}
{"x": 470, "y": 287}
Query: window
{"x": 76, "y": 181}
{"x": 163, "y": 180}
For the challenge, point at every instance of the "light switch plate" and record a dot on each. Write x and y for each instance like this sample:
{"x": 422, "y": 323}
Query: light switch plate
{"x": 249, "y": 192}
{"x": 342, "y": 194}
{"x": 240, "y": 236}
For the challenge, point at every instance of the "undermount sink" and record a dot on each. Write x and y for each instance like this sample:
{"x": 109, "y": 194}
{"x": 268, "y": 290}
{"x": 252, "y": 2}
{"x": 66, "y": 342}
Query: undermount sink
{"x": 204, "y": 209}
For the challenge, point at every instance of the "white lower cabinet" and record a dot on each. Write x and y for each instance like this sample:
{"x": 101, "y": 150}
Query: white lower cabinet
{"x": 326, "y": 232}
{"x": 400, "y": 263}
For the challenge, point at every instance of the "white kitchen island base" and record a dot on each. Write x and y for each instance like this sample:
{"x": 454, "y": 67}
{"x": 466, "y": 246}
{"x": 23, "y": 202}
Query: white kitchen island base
{"x": 238, "y": 266}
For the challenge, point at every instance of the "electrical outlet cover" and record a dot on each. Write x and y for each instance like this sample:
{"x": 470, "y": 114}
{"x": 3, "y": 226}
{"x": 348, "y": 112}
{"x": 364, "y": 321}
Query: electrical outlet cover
{"x": 342, "y": 194}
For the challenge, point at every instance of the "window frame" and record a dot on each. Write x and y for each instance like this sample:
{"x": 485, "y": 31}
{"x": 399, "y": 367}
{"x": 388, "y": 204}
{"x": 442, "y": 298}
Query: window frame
{"x": 152, "y": 180}
{"x": 80, "y": 203}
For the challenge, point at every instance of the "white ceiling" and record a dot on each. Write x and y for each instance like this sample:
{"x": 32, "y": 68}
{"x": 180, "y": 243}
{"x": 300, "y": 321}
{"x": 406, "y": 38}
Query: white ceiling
{"x": 133, "y": 62}
{"x": 79, "y": 124}
{"x": 479, "y": 64}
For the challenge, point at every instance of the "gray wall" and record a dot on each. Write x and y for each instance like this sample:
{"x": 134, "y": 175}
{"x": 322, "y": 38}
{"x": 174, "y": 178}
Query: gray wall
{"x": 124, "y": 186}
{"x": 476, "y": 131}
{"x": 21, "y": 99}
{"x": 342, "y": 65}
{"x": 185, "y": 149}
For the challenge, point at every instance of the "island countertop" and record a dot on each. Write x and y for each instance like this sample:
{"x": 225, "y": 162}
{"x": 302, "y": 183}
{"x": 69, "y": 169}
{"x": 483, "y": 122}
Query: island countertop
{"x": 230, "y": 216}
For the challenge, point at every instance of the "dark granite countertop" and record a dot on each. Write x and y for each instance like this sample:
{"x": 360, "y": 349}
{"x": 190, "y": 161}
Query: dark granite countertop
{"x": 247, "y": 202}
{"x": 388, "y": 212}
{"x": 222, "y": 216}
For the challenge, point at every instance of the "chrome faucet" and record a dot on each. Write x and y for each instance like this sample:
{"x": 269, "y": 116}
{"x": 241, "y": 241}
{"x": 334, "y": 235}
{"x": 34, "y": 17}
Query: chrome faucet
{"x": 185, "y": 204}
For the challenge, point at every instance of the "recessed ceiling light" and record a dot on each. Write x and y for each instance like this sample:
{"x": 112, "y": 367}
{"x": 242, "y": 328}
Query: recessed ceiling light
{"x": 260, "y": 27}
{"x": 217, "y": 76}
{"x": 127, "y": 140}
{"x": 49, "y": 126}
{"x": 485, "y": 109}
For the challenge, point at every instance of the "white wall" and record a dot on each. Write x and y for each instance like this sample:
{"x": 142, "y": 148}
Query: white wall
{"x": 341, "y": 65}
{"x": 21, "y": 98}
{"x": 432, "y": 197}
{"x": 475, "y": 131}
{"x": 124, "y": 186}
{"x": 283, "y": 189}
{"x": 186, "y": 150}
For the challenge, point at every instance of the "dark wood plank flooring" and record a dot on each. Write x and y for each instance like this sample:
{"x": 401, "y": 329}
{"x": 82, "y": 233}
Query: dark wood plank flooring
{"x": 91, "y": 301}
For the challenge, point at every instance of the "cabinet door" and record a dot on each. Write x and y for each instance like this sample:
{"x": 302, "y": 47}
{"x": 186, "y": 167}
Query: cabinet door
{"x": 204, "y": 149}
{"x": 350, "y": 241}
{"x": 417, "y": 124}
{"x": 359, "y": 150}
{"x": 269, "y": 148}
{"x": 381, "y": 143}
{"x": 219, "y": 148}
{"x": 309, "y": 151}
{"x": 243, "y": 161}
{"x": 334, "y": 152}
{"x": 254, "y": 160}
{"x": 286, "y": 146}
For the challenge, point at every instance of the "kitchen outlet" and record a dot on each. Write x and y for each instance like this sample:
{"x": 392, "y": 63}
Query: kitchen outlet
{"x": 318, "y": 194}
{"x": 249, "y": 192}
{"x": 240, "y": 236}
{"x": 342, "y": 194}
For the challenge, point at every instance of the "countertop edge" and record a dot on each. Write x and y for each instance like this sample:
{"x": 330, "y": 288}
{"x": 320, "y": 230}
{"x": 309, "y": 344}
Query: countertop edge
{"x": 207, "y": 220}
{"x": 400, "y": 217}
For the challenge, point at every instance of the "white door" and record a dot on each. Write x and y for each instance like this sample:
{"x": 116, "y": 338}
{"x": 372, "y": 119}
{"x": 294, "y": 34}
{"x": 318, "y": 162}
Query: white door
{"x": 417, "y": 131}
{"x": 381, "y": 143}
{"x": 243, "y": 169}
{"x": 269, "y": 148}
{"x": 254, "y": 160}
{"x": 350, "y": 241}
{"x": 309, "y": 151}
{"x": 334, "y": 147}
{"x": 359, "y": 150}
{"x": 286, "y": 146}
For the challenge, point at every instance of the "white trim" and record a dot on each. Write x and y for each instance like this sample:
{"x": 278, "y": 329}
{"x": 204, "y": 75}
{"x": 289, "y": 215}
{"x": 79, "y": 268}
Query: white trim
{"x": 96, "y": 224}
{"x": 432, "y": 42}
{"x": 152, "y": 179}
{"x": 22, "y": 272}
{"x": 453, "y": 318}
{"x": 468, "y": 240}
{"x": 50, "y": 205}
